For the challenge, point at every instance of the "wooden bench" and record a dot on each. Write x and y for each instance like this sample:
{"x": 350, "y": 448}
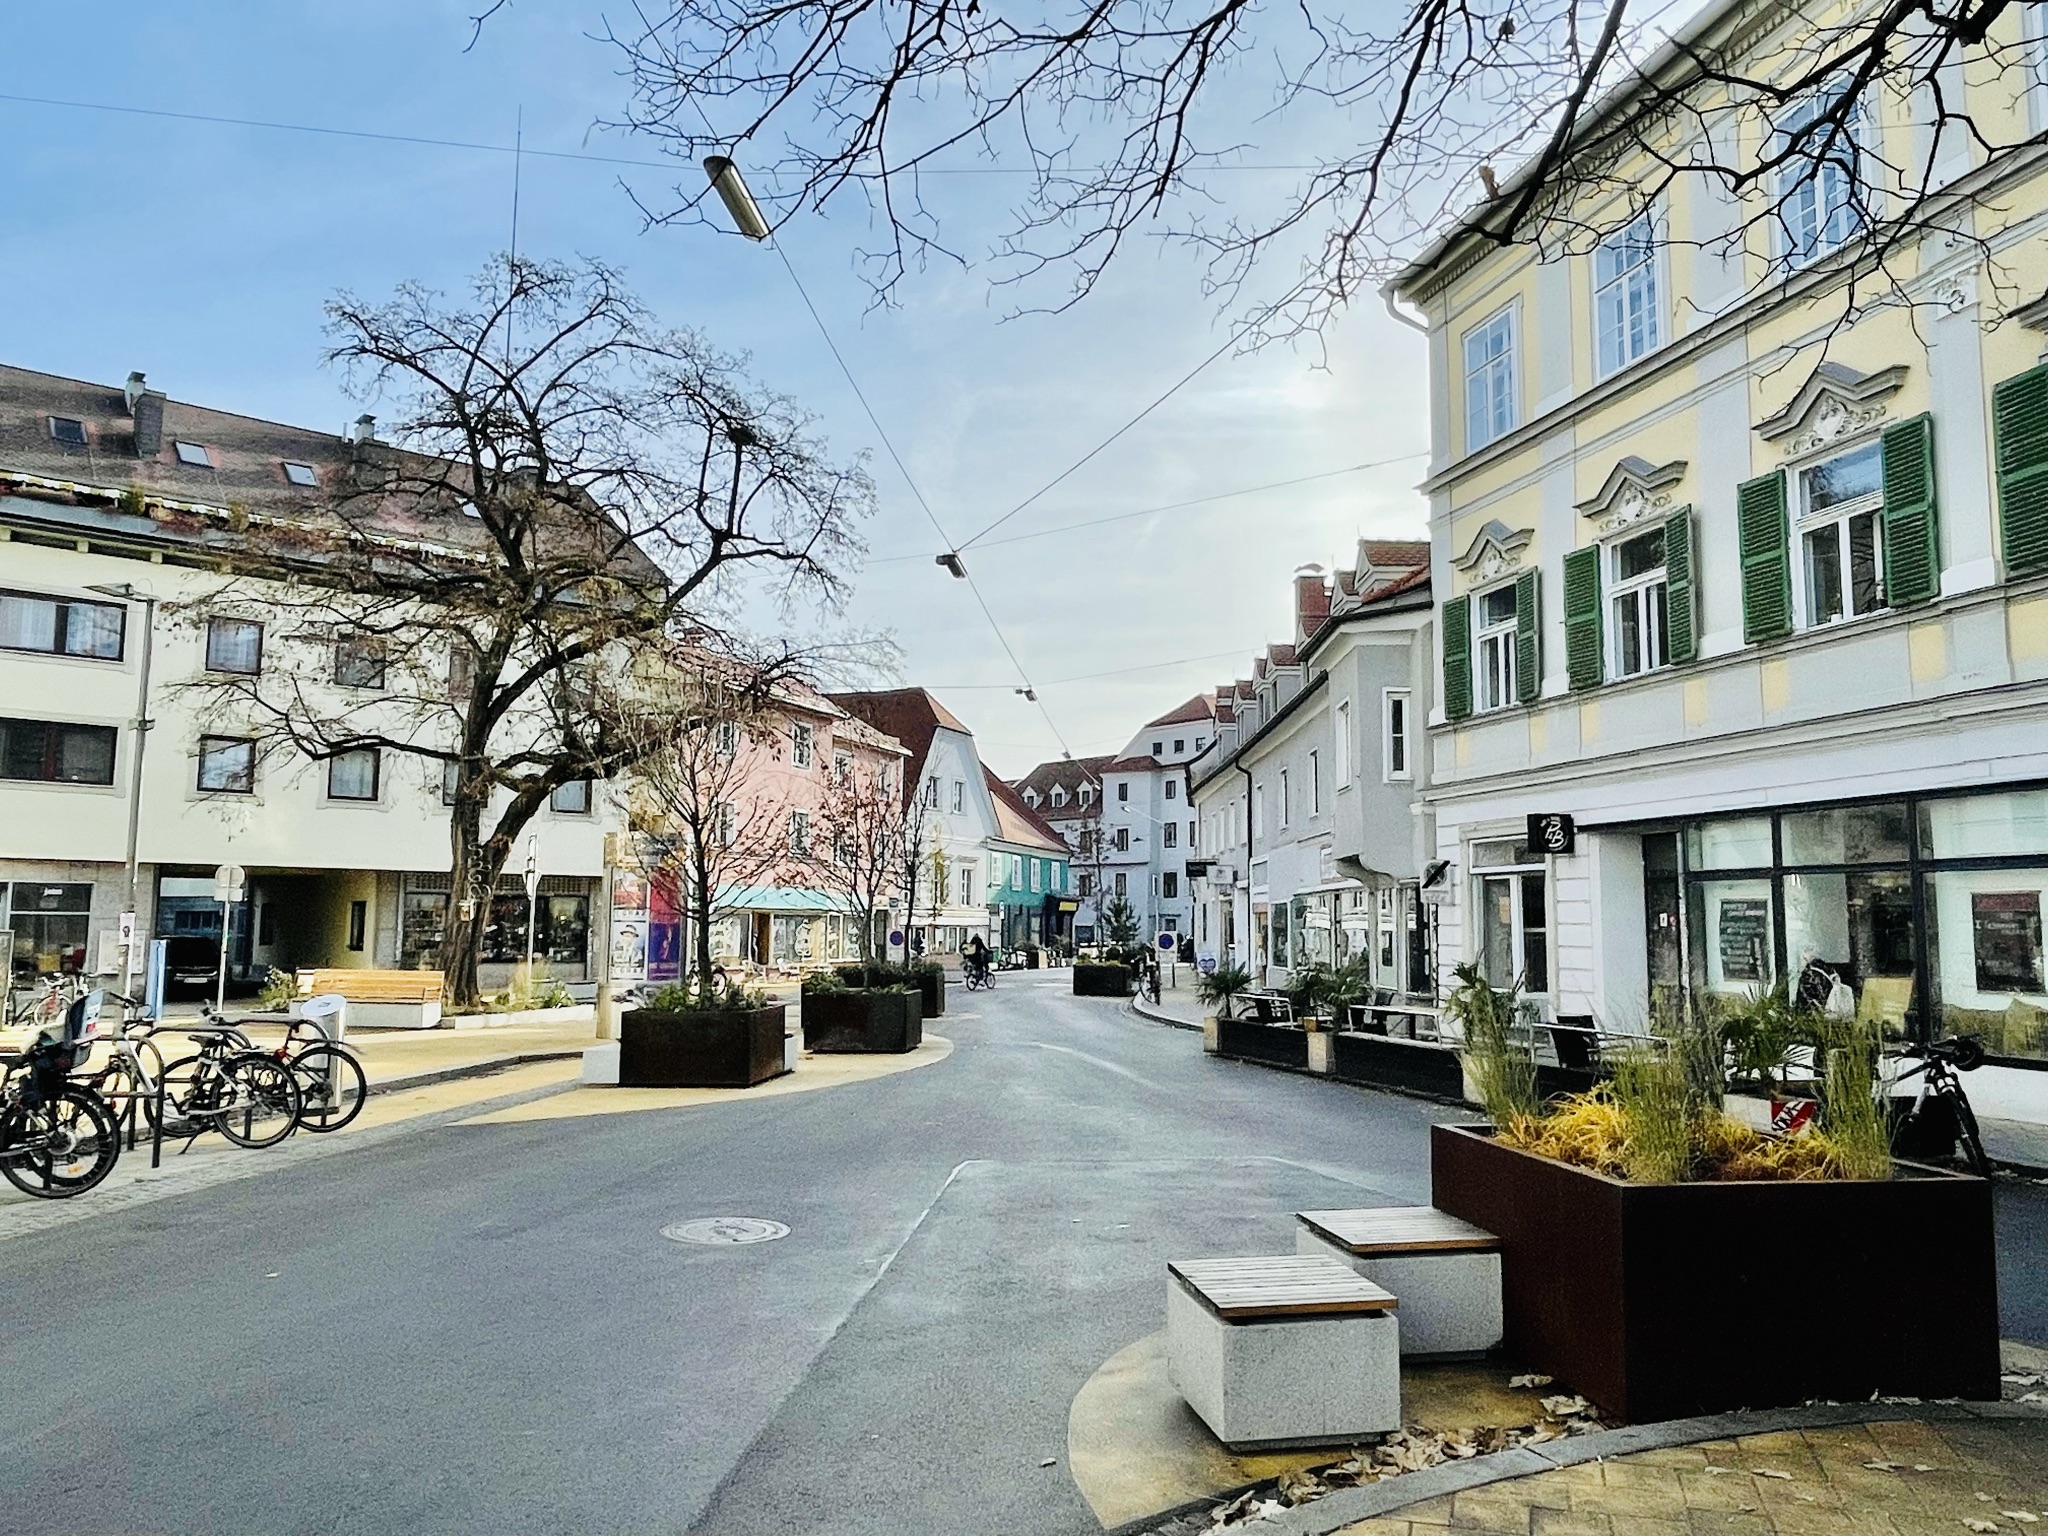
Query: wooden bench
{"x": 1284, "y": 1350}
{"x": 1445, "y": 1271}
{"x": 380, "y": 999}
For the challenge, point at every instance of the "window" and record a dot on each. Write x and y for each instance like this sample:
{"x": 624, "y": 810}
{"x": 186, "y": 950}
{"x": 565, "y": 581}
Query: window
{"x": 800, "y": 832}
{"x": 1342, "y": 730}
{"x": 1158, "y": 748}
{"x": 52, "y": 753}
{"x": 1180, "y": 744}
{"x": 461, "y": 670}
{"x": 1191, "y": 834}
{"x": 931, "y": 792}
{"x": 227, "y": 764}
{"x": 358, "y": 924}
{"x": 1396, "y": 722}
{"x": 1170, "y": 788}
{"x": 1315, "y": 784}
{"x": 1169, "y": 834}
{"x": 1286, "y": 799}
{"x": 1169, "y": 885}
{"x": 1258, "y": 812}
{"x": 1123, "y": 791}
{"x": 802, "y": 744}
{"x": 1036, "y": 865}
{"x": 1641, "y": 638}
{"x": 571, "y": 799}
{"x": 970, "y": 893}
{"x": 234, "y": 645}
{"x": 300, "y": 474}
{"x": 1059, "y": 795}
{"x": 1085, "y": 886}
{"x": 843, "y": 849}
{"x": 1120, "y": 885}
{"x": 842, "y": 768}
{"x": 1625, "y": 294}
{"x": 1840, "y": 540}
{"x": 960, "y": 795}
{"x": 725, "y": 738}
{"x": 722, "y": 824}
{"x": 359, "y": 664}
{"x": 1493, "y": 647}
{"x": 1016, "y": 871}
{"x": 1819, "y": 196}
{"x": 352, "y": 775}
{"x": 1490, "y": 381}
{"x": 1122, "y": 841}
{"x": 68, "y": 430}
{"x": 62, "y": 626}
{"x": 1087, "y": 794}
{"x": 194, "y": 454}
{"x": 1514, "y": 929}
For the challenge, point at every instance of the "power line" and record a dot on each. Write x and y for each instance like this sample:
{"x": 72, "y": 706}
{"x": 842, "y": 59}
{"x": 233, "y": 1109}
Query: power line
{"x": 1090, "y": 677}
{"x": 1173, "y": 506}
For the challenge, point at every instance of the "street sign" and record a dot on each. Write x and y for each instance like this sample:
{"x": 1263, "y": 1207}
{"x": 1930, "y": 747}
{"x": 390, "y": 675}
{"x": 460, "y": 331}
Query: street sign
{"x": 1552, "y": 833}
{"x": 230, "y": 882}
{"x": 1167, "y": 941}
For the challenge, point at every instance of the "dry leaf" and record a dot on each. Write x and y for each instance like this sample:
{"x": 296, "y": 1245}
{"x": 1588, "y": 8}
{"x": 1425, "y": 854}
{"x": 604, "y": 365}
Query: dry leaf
{"x": 1050, "y": 1461}
{"x": 1784, "y": 1477}
{"x": 1564, "y": 1404}
{"x": 1921, "y": 1466}
{"x": 1530, "y": 1380}
{"x": 2021, "y": 1379}
{"x": 2024, "y": 1516}
{"x": 1886, "y": 1466}
{"x": 1981, "y": 1525}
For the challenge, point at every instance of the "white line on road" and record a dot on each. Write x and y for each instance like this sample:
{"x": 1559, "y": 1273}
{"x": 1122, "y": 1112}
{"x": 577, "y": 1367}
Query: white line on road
{"x": 1107, "y": 1066}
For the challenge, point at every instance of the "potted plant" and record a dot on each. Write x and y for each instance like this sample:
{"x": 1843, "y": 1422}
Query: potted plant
{"x": 927, "y": 976}
{"x": 1108, "y": 976}
{"x": 1665, "y": 1260}
{"x": 885, "y": 1017}
{"x": 685, "y": 1038}
{"x": 1219, "y": 988}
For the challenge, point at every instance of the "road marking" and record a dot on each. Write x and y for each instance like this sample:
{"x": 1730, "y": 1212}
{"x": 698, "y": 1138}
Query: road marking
{"x": 1107, "y": 1066}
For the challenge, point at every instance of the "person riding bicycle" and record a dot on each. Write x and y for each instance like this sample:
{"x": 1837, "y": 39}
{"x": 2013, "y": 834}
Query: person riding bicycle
{"x": 976, "y": 958}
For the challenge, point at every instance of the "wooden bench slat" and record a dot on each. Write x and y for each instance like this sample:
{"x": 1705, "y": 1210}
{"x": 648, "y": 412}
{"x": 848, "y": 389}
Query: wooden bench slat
{"x": 1281, "y": 1286}
{"x": 1399, "y": 1229}
{"x": 369, "y": 986}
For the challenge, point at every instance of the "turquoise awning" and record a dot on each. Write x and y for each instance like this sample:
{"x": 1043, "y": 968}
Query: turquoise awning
{"x": 778, "y": 898}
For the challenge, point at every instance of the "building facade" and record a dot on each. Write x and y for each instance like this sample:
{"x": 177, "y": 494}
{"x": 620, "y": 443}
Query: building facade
{"x": 1751, "y": 582}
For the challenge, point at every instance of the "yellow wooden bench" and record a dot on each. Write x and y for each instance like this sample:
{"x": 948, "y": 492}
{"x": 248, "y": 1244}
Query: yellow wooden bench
{"x": 386, "y": 999}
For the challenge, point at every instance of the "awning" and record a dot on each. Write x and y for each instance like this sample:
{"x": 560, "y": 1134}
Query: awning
{"x": 778, "y": 898}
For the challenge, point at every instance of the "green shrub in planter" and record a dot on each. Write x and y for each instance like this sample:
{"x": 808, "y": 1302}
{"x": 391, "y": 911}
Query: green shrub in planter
{"x": 701, "y": 1047}
{"x": 839, "y": 1018}
{"x": 1096, "y": 979}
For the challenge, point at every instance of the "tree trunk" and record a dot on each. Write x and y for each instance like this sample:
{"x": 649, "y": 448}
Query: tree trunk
{"x": 700, "y": 916}
{"x": 473, "y": 876}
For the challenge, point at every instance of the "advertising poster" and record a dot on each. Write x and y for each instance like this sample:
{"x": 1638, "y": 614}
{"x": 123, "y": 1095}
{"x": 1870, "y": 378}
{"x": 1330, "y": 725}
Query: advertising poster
{"x": 1745, "y": 940}
{"x": 664, "y": 930}
{"x": 2006, "y": 927}
{"x": 629, "y": 947}
{"x": 629, "y": 891}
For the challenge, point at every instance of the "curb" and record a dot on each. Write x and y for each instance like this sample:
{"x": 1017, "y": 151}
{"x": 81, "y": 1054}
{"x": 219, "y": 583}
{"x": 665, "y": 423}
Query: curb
{"x": 473, "y": 1069}
{"x": 1137, "y": 1006}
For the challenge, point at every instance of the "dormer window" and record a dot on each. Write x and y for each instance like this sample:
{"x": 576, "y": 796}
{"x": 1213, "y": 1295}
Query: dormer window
{"x": 195, "y": 454}
{"x": 300, "y": 474}
{"x": 1031, "y": 798}
{"x": 68, "y": 430}
{"x": 1087, "y": 793}
{"x": 1059, "y": 795}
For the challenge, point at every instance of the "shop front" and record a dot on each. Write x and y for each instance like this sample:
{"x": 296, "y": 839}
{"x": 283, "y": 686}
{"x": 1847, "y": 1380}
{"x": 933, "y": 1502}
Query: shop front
{"x": 559, "y": 914}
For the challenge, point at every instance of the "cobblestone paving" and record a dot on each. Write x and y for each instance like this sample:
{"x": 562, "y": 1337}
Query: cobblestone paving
{"x": 1899, "y": 1479}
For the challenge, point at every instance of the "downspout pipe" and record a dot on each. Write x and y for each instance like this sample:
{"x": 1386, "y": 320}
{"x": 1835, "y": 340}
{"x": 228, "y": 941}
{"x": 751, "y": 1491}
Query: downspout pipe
{"x": 1249, "y": 948}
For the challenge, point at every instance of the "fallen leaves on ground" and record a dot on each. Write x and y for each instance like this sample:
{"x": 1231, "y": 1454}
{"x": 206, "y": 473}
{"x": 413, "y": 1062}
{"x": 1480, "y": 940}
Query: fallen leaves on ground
{"x": 1771, "y": 1472}
{"x": 1981, "y": 1525}
{"x": 1532, "y": 1379}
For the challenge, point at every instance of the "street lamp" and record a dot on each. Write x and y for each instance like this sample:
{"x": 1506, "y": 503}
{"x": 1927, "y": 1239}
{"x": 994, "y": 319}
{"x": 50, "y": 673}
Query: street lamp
{"x": 127, "y": 592}
{"x": 532, "y": 891}
{"x": 739, "y": 202}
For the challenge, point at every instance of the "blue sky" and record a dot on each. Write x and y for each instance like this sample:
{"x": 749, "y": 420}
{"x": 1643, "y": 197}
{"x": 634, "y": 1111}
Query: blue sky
{"x": 201, "y": 253}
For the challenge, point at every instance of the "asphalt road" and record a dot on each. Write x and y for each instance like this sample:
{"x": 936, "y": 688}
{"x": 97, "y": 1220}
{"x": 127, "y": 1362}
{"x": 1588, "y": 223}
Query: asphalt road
{"x": 481, "y": 1328}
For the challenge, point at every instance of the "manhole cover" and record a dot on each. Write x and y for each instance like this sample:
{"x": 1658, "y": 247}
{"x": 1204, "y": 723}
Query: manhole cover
{"x": 716, "y": 1230}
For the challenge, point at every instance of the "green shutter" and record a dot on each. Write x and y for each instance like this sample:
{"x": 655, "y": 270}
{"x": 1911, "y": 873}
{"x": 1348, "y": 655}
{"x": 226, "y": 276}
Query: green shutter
{"x": 1582, "y": 617}
{"x": 1681, "y": 588}
{"x": 1528, "y": 641}
{"x": 1763, "y": 541}
{"x": 1457, "y": 658}
{"x": 1912, "y": 553}
{"x": 2019, "y": 415}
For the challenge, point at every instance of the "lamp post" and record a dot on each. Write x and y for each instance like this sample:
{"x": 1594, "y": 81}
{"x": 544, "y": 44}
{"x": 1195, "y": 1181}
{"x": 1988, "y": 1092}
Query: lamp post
{"x": 532, "y": 892}
{"x": 126, "y": 591}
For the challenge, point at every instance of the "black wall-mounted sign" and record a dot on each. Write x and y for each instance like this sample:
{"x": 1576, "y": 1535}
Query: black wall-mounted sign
{"x": 1553, "y": 833}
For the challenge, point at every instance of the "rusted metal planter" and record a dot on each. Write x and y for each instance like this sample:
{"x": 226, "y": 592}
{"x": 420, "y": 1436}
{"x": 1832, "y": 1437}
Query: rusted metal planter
{"x": 1094, "y": 979}
{"x": 931, "y": 992}
{"x": 1405, "y": 1066}
{"x": 701, "y": 1048}
{"x": 1276, "y": 1045}
{"x": 1661, "y": 1301}
{"x": 881, "y": 1021}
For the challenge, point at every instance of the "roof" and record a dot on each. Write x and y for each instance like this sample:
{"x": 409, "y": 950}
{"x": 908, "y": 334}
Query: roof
{"x": 1201, "y": 707}
{"x": 911, "y": 715}
{"x": 1394, "y": 551}
{"x": 1145, "y": 764}
{"x": 1016, "y": 822}
{"x": 1069, "y": 774}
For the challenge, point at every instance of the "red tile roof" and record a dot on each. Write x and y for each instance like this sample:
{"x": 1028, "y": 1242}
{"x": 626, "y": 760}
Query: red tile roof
{"x": 1201, "y": 707}
{"x": 1016, "y": 822}
{"x": 911, "y": 715}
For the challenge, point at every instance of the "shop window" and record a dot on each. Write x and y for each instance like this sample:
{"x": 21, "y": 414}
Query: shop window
{"x": 1985, "y": 826}
{"x": 56, "y": 753}
{"x": 1841, "y": 555}
{"x": 1846, "y": 834}
{"x": 1855, "y": 927}
{"x": 61, "y": 626}
{"x": 1493, "y": 648}
{"x": 1738, "y": 843}
{"x": 234, "y": 645}
{"x": 227, "y": 764}
{"x": 50, "y": 925}
{"x": 1639, "y": 605}
{"x": 1733, "y": 925}
{"x": 1514, "y": 930}
{"x": 1984, "y": 947}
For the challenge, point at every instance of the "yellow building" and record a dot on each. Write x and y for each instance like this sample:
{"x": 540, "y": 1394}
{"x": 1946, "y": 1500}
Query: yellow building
{"x": 1742, "y": 554}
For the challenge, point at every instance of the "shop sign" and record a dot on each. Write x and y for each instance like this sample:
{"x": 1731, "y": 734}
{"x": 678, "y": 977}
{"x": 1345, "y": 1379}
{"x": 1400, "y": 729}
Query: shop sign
{"x": 1552, "y": 832}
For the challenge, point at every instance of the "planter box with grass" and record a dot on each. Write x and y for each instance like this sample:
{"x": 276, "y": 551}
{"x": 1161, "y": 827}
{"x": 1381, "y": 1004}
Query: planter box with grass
{"x": 700, "y": 1047}
{"x": 879, "y": 1020}
{"x": 1095, "y": 979}
{"x": 930, "y": 983}
{"x": 1662, "y": 1301}
{"x": 1276, "y": 1045}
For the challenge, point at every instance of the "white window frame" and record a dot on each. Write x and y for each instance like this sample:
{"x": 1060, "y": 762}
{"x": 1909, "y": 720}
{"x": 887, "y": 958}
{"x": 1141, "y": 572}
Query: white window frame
{"x": 1628, "y": 304}
{"x": 376, "y": 777}
{"x": 1170, "y": 788}
{"x": 1315, "y": 783}
{"x": 555, "y": 799}
{"x": 1340, "y": 730}
{"x": 1397, "y": 743}
{"x": 1169, "y": 834}
{"x": 2034, "y": 33}
{"x": 959, "y": 794}
{"x": 1494, "y": 387}
{"x": 221, "y": 623}
{"x": 1059, "y": 796}
{"x": 1641, "y": 592}
{"x": 1493, "y": 654}
{"x": 725, "y": 737}
{"x": 1806, "y": 521}
{"x": 802, "y": 744}
{"x": 1834, "y": 225}
{"x": 1286, "y": 800}
{"x": 800, "y": 833}
{"x": 842, "y": 768}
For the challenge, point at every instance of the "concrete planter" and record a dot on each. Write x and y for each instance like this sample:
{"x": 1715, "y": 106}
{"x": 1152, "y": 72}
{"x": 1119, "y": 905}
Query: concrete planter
{"x": 1406, "y": 1066}
{"x": 701, "y": 1048}
{"x": 882, "y": 1021}
{"x": 1095, "y": 979}
{"x": 1277, "y": 1045}
{"x": 1662, "y": 1301}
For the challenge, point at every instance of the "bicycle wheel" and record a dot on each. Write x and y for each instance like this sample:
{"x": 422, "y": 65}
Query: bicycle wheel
{"x": 1966, "y": 1131}
{"x": 262, "y": 1100}
{"x": 122, "y": 1086}
{"x": 58, "y": 1148}
{"x": 331, "y": 1087}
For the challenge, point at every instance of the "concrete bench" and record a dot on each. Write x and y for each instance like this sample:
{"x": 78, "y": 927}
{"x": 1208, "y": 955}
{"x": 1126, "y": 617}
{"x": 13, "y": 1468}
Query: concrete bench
{"x": 1283, "y": 1351}
{"x": 1445, "y": 1271}
{"x": 380, "y": 999}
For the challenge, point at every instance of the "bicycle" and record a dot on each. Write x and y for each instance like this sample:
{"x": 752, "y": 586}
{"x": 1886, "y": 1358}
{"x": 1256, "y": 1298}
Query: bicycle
{"x": 57, "y": 1137}
{"x": 1921, "y": 1125}
{"x": 979, "y": 978}
{"x": 249, "y": 1096}
{"x": 330, "y": 1076}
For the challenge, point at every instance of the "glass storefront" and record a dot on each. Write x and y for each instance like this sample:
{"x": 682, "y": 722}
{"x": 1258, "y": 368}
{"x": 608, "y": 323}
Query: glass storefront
{"x": 1928, "y": 909}
{"x": 49, "y": 922}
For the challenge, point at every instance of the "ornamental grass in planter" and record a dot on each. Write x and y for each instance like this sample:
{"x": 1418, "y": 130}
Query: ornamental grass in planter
{"x": 838, "y": 1019}
{"x": 1665, "y": 1260}
{"x": 729, "y": 1038}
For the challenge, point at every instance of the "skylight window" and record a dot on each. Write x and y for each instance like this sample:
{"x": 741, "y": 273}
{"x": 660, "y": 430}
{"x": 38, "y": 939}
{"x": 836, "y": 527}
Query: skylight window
{"x": 300, "y": 474}
{"x": 194, "y": 453}
{"x": 68, "y": 430}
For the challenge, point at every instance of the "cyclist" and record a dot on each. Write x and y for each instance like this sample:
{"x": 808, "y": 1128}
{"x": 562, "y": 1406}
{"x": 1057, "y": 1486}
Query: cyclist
{"x": 975, "y": 961}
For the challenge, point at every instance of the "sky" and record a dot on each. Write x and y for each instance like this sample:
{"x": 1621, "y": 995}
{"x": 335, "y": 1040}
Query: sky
{"x": 201, "y": 253}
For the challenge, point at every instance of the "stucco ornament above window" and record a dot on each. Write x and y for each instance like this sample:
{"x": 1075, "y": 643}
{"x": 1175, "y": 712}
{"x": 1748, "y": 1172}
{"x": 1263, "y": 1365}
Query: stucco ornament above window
{"x": 1835, "y": 402}
{"x": 1495, "y": 550}
{"x": 1633, "y": 490}
{"x": 2034, "y": 316}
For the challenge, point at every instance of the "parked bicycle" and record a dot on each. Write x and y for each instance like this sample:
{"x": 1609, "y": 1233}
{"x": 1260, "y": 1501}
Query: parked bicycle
{"x": 250, "y": 1096}
{"x": 1940, "y": 1114}
{"x": 57, "y": 1137}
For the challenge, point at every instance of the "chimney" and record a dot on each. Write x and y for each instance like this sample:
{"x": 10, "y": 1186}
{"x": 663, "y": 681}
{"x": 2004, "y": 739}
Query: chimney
{"x": 147, "y": 407}
{"x": 364, "y": 430}
{"x": 134, "y": 390}
{"x": 1311, "y": 601}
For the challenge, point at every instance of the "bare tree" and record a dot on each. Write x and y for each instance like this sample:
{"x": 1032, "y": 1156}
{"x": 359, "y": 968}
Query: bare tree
{"x": 568, "y": 491}
{"x": 857, "y": 846}
{"x": 1375, "y": 128}
{"x": 916, "y": 857}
